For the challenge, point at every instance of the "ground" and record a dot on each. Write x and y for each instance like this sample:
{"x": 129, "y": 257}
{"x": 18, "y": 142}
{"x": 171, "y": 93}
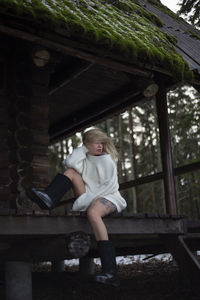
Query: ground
{"x": 154, "y": 280}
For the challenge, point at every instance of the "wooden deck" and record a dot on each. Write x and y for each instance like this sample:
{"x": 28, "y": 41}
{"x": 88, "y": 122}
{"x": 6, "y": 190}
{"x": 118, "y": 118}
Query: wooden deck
{"x": 42, "y": 236}
{"x": 30, "y": 235}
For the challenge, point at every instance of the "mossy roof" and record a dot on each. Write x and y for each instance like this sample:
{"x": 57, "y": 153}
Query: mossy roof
{"x": 120, "y": 26}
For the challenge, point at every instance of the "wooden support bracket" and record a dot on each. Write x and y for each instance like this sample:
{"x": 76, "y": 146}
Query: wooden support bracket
{"x": 186, "y": 260}
{"x": 62, "y": 78}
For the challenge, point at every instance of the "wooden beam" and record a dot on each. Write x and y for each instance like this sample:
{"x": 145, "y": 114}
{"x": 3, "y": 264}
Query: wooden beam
{"x": 63, "y": 78}
{"x": 3, "y": 77}
{"x": 147, "y": 86}
{"x": 40, "y": 226}
{"x": 41, "y": 57}
{"x": 187, "y": 168}
{"x": 166, "y": 151}
{"x": 158, "y": 176}
{"x": 75, "y": 245}
{"x": 69, "y": 47}
{"x": 140, "y": 181}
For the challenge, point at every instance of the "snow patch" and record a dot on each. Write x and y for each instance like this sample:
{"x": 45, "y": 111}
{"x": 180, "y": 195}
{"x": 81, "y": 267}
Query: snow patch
{"x": 127, "y": 260}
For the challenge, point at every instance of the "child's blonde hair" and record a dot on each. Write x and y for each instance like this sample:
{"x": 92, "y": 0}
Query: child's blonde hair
{"x": 97, "y": 135}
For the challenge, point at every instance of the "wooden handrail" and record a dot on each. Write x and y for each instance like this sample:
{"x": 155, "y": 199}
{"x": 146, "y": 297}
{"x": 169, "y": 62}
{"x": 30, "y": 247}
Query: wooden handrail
{"x": 187, "y": 168}
{"x": 158, "y": 176}
{"x": 140, "y": 181}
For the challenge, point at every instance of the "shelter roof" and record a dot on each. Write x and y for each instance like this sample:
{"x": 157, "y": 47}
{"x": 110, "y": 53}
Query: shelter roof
{"x": 188, "y": 37}
{"x": 131, "y": 29}
{"x": 106, "y": 48}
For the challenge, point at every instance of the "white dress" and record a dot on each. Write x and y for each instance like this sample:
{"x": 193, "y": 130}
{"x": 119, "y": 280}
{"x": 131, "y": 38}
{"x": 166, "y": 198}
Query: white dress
{"x": 99, "y": 174}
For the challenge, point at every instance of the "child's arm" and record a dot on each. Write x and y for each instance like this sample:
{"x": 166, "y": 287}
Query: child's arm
{"x": 76, "y": 158}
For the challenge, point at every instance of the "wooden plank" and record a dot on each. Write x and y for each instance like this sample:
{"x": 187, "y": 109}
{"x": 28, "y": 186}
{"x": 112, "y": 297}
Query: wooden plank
{"x": 44, "y": 225}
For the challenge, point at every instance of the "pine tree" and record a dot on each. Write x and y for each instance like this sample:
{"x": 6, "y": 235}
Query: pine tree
{"x": 184, "y": 115}
{"x": 191, "y": 7}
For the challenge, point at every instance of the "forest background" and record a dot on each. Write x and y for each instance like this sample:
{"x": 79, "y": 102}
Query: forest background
{"x": 135, "y": 134}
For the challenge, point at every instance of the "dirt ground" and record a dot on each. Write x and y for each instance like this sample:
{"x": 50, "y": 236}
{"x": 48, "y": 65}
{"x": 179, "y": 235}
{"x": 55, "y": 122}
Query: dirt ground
{"x": 154, "y": 280}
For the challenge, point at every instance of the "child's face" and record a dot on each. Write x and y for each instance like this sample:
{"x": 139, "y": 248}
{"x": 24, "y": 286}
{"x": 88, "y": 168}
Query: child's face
{"x": 94, "y": 148}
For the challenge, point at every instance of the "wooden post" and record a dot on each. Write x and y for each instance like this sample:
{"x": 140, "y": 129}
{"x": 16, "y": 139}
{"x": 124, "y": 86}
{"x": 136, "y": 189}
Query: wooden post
{"x": 4, "y": 150}
{"x": 58, "y": 266}
{"x": 86, "y": 266}
{"x": 18, "y": 280}
{"x": 166, "y": 151}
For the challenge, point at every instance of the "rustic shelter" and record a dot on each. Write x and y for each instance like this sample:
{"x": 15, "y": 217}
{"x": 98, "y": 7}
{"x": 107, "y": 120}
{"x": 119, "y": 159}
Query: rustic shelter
{"x": 63, "y": 66}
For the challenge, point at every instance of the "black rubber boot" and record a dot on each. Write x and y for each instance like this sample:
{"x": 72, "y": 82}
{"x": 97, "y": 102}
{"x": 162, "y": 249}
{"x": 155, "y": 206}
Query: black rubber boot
{"x": 52, "y": 194}
{"x": 108, "y": 262}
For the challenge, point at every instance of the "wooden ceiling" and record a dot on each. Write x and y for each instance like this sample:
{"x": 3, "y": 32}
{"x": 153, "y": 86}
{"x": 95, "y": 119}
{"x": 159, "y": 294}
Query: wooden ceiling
{"x": 82, "y": 92}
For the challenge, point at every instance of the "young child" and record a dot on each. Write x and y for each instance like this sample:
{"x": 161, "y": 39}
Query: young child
{"x": 92, "y": 172}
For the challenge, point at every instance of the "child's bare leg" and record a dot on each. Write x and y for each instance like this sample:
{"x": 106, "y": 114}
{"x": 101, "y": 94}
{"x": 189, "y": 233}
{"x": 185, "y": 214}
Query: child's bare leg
{"x": 97, "y": 210}
{"x": 77, "y": 181}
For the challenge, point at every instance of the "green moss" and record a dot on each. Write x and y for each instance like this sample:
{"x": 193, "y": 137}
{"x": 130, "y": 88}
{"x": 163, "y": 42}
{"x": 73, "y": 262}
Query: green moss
{"x": 171, "y": 38}
{"x": 130, "y": 7}
{"x": 193, "y": 34}
{"x": 155, "y": 2}
{"x": 123, "y": 27}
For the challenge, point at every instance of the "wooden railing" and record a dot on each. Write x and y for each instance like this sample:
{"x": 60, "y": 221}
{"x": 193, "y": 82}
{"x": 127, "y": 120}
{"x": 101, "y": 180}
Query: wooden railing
{"x": 150, "y": 178}
{"x": 158, "y": 176}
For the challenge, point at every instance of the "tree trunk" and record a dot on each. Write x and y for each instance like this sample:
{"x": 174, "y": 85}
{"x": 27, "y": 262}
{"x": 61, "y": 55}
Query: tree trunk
{"x": 134, "y": 161}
